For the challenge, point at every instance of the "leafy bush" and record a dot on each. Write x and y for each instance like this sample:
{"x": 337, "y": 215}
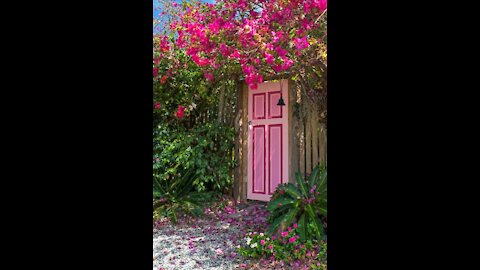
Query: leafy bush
{"x": 203, "y": 151}
{"x": 178, "y": 197}
{"x": 189, "y": 167}
{"x": 304, "y": 202}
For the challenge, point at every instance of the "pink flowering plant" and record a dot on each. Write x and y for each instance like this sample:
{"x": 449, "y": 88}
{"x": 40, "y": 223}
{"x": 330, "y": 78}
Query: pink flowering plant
{"x": 192, "y": 135}
{"x": 238, "y": 39}
{"x": 286, "y": 247}
{"x": 255, "y": 245}
{"x": 261, "y": 37}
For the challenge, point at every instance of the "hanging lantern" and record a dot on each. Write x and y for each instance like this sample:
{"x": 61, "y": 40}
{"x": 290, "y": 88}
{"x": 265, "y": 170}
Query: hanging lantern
{"x": 280, "y": 101}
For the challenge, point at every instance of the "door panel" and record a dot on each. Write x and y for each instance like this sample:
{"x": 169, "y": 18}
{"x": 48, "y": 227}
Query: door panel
{"x": 274, "y": 156}
{"x": 258, "y": 106}
{"x": 258, "y": 159}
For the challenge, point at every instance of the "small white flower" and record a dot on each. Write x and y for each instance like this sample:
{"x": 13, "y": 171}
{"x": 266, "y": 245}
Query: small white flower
{"x": 253, "y": 245}
{"x": 194, "y": 105}
{"x": 261, "y": 234}
{"x": 268, "y": 239}
{"x": 238, "y": 246}
{"x": 248, "y": 240}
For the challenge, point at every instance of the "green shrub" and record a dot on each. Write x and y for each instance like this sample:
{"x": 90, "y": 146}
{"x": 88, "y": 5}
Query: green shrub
{"x": 178, "y": 197}
{"x": 205, "y": 151}
{"x": 189, "y": 167}
{"x": 304, "y": 203}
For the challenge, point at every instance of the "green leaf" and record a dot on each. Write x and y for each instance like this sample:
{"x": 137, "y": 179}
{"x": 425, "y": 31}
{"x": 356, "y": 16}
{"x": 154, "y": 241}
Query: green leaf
{"x": 287, "y": 219}
{"x": 292, "y": 190}
{"x": 302, "y": 185}
{"x": 321, "y": 181}
{"x": 313, "y": 176}
{"x": 292, "y": 33}
{"x": 317, "y": 225}
{"x": 302, "y": 227}
{"x": 290, "y": 216}
{"x": 278, "y": 202}
{"x": 273, "y": 227}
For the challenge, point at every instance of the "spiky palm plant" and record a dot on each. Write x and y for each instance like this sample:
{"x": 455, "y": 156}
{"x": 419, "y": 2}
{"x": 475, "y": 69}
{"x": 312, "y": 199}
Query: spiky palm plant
{"x": 304, "y": 202}
{"x": 178, "y": 197}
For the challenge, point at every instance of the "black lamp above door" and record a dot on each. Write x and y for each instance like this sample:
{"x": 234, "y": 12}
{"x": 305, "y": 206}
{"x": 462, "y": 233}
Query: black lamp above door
{"x": 280, "y": 101}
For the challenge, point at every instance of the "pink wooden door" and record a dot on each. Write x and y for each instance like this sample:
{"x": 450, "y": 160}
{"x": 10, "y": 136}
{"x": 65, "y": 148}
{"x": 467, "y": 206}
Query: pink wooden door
{"x": 267, "y": 140}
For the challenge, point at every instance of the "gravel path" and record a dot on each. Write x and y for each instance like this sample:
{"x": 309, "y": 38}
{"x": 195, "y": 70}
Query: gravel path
{"x": 206, "y": 243}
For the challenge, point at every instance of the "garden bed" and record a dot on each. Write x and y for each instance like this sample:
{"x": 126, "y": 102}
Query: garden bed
{"x": 212, "y": 241}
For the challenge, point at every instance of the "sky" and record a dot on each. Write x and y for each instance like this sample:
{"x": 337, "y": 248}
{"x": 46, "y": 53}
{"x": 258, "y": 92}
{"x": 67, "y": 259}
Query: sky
{"x": 156, "y": 5}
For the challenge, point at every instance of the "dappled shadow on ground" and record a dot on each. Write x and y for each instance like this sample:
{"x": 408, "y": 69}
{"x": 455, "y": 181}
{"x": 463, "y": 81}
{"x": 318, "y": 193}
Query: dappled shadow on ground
{"x": 209, "y": 242}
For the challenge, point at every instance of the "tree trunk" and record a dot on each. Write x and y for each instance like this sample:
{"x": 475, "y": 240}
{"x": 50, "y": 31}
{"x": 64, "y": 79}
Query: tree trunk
{"x": 237, "y": 176}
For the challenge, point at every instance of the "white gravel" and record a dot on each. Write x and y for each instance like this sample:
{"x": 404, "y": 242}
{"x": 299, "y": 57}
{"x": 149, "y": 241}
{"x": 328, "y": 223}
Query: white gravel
{"x": 206, "y": 245}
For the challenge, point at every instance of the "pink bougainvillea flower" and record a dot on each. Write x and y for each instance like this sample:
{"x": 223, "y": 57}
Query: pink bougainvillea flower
{"x": 180, "y": 111}
{"x": 274, "y": 237}
{"x": 235, "y": 54}
{"x": 295, "y": 225}
{"x": 301, "y": 43}
{"x": 247, "y": 69}
{"x": 208, "y": 75}
{"x": 224, "y": 49}
{"x": 289, "y": 229}
{"x": 269, "y": 58}
{"x": 157, "y": 105}
{"x": 280, "y": 51}
{"x": 287, "y": 63}
{"x": 292, "y": 239}
{"x": 155, "y": 72}
{"x": 262, "y": 242}
{"x": 259, "y": 78}
{"x": 322, "y": 5}
{"x": 163, "y": 79}
{"x": 284, "y": 234}
{"x": 306, "y": 24}
{"x": 270, "y": 247}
